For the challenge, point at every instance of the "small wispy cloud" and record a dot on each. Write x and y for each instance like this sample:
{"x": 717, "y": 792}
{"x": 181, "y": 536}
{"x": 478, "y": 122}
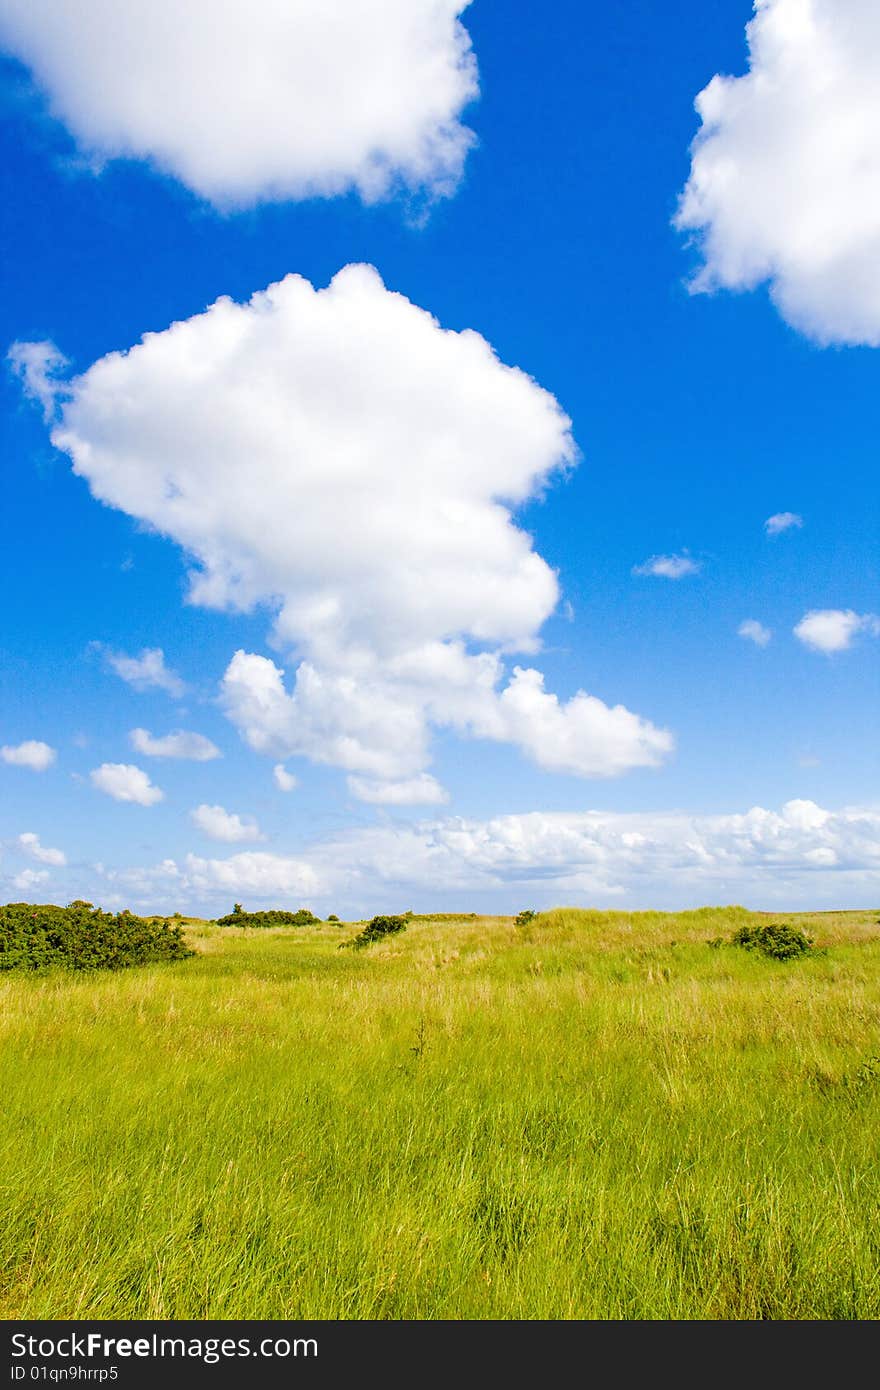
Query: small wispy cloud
{"x": 668, "y": 566}
{"x": 181, "y": 744}
{"x": 782, "y": 521}
{"x": 284, "y": 780}
{"x": 38, "y": 366}
{"x": 146, "y": 671}
{"x": 29, "y": 878}
{"x": 756, "y": 632}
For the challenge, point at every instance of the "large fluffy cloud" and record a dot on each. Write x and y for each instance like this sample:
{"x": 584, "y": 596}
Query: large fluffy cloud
{"x": 799, "y": 855}
{"x": 785, "y": 178}
{"x": 339, "y": 457}
{"x": 379, "y": 724}
{"x": 265, "y": 100}
{"x": 335, "y": 450}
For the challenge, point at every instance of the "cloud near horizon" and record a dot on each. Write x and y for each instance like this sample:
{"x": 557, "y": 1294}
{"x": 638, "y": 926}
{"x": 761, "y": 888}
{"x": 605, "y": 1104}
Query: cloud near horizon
{"x": 796, "y": 853}
{"x": 784, "y": 187}
{"x": 29, "y": 878}
{"x": 339, "y": 458}
{"x": 269, "y": 101}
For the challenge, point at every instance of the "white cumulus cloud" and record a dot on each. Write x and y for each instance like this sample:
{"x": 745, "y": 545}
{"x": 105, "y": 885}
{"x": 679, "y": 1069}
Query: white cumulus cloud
{"x": 667, "y": 566}
{"x": 335, "y": 450}
{"x": 833, "y": 629}
{"x": 379, "y": 724}
{"x": 29, "y": 843}
{"x": 32, "y": 754}
{"x": 181, "y": 744}
{"x": 219, "y": 824}
{"x": 782, "y": 521}
{"x": 267, "y": 100}
{"x": 147, "y": 671}
{"x": 756, "y": 632}
{"x": 125, "y": 782}
{"x": 785, "y": 176}
{"x": 338, "y": 457}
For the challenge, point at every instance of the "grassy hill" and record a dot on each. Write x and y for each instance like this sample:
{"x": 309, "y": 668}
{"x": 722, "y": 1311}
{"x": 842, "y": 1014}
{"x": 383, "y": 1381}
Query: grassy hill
{"x": 597, "y": 1115}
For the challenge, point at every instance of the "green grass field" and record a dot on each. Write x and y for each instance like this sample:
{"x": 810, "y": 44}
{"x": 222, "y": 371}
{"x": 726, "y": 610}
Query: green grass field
{"x": 595, "y": 1116}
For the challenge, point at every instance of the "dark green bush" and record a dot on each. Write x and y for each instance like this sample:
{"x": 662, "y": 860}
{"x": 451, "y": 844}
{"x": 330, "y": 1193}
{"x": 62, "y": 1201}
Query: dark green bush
{"x": 332, "y": 917}
{"x": 82, "y": 937}
{"x": 236, "y": 918}
{"x": 778, "y": 940}
{"x": 522, "y": 919}
{"x": 376, "y": 930}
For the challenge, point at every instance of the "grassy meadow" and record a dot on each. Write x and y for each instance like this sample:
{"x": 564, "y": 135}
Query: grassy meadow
{"x": 598, "y": 1115}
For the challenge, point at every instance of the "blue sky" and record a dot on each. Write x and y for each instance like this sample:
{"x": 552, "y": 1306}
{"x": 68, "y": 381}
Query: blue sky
{"x": 696, "y": 417}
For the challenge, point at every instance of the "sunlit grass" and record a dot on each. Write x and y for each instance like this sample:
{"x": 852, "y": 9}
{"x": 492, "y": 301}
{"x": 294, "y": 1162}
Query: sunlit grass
{"x": 596, "y": 1116}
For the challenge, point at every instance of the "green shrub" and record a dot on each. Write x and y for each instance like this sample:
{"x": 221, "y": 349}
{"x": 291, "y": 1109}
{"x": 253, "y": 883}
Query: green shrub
{"x": 522, "y": 919}
{"x": 332, "y": 917}
{"x": 273, "y": 918}
{"x": 376, "y": 930}
{"x": 778, "y": 940}
{"x": 82, "y": 937}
